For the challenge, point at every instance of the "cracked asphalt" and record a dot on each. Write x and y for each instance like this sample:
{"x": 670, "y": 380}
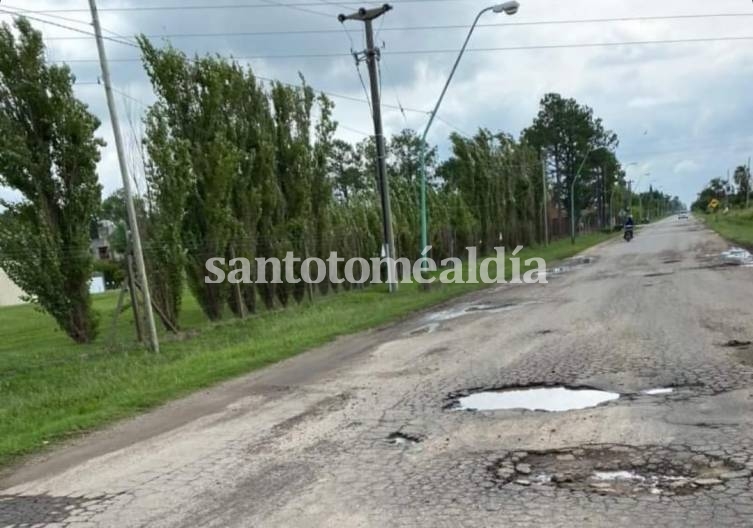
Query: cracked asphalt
{"x": 312, "y": 441}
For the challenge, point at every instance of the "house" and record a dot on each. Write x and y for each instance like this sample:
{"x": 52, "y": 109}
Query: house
{"x": 10, "y": 294}
{"x": 100, "y": 240}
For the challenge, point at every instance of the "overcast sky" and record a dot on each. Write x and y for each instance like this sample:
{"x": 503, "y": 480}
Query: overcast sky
{"x": 682, "y": 111}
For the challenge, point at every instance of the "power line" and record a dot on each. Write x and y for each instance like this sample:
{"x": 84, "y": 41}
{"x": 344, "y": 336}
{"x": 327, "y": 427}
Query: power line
{"x": 69, "y": 28}
{"x": 433, "y": 27}
{"x": 212, "y": 7}
{"x": 329, "y": 55}
{"x": 22, "y": 12}
{"x": 297, "y": 8}
{"x": 457, "y": 129}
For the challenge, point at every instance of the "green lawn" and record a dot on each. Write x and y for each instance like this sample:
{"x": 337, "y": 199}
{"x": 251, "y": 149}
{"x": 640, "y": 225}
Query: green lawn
{"x": 51, "y": 388}
{"x": 736, "y": 226}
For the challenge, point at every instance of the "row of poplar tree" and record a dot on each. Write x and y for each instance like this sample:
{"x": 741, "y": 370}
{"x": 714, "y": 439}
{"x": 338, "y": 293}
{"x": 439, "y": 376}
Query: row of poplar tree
{"x": 237, "y": 168}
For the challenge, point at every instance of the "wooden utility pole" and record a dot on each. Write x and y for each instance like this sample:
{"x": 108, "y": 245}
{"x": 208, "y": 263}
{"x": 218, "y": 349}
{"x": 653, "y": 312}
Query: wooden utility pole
{"x": 371, "y": 55}
{"x": 132, "y": 220}
{"x": 546, "y": 199}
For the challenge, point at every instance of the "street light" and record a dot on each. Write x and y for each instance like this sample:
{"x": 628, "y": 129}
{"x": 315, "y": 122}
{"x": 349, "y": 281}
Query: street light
{"x": 509, "y": 8}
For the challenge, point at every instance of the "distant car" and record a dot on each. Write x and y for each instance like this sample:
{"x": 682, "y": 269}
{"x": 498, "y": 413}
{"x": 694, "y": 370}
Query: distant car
{"x": 682, "y": 216}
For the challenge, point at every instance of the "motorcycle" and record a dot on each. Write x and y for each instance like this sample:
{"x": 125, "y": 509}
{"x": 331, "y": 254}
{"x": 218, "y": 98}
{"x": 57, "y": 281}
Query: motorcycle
{"x": 628, "y": 234}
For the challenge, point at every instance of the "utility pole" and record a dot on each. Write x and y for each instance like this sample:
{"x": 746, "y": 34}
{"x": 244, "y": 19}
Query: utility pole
{"x": 371, "y": 54}
{"x": 546, "y": 199}
{"x": 747, "y": 186}
{"x": 132, "y": 220}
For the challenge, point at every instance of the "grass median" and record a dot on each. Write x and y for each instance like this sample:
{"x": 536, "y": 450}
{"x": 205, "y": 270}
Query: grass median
{"x": 51, "y": 388}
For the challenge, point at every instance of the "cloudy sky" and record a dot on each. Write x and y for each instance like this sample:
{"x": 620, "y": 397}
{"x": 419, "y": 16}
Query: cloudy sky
{"x": 682, "y": 109}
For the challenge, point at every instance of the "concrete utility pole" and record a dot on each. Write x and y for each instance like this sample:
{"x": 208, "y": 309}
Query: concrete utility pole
{"x": 372, "y": 56}
{"x": 132, "y": 220}
{"x": 747, "y": 194}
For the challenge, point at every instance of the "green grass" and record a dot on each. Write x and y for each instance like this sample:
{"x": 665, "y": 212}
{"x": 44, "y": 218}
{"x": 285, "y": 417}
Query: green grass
{"x": 51, "y": 388}
{"x": 735, "y": 226}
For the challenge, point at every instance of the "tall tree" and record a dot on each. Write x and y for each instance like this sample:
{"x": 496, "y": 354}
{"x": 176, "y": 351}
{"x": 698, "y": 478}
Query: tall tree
{"x": 568, "y": 133}
{"x": 48, "y": 153}
{"x": 742, "y": 182}
{"x": 192, "y": 97}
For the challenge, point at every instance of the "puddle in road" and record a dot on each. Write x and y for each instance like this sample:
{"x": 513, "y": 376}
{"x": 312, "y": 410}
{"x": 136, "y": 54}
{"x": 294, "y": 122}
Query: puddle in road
{"x": 426, "y": 329}
{"x": 460, "y": 311}
{"x": 551, "y": 399}
{"x": 737, "y": 256}
{"x": 658, "y": 391}
{"x": 569, "y": 265}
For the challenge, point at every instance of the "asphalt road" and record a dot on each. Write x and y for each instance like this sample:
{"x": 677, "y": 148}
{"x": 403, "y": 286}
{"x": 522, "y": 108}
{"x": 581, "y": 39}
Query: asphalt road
{"x": 364, "y": 432}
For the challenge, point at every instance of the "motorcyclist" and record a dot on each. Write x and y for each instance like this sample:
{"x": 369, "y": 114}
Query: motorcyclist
{"x": 629, "y": 223}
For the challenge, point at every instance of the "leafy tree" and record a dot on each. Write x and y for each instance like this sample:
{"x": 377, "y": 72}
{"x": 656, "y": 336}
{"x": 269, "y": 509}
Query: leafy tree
{"x": 169, "y": 181}
{"x": 48, "y": 153}
{"x": 568, "y": 133}
{"x": 742, "y": 182}
{"x": 191, "y": 97}
{"x": 717, "y": 189}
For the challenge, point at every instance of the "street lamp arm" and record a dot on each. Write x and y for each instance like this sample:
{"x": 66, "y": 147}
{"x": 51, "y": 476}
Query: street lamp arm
{"x": 452, "y": 72}
{"x": 510, "y": 8}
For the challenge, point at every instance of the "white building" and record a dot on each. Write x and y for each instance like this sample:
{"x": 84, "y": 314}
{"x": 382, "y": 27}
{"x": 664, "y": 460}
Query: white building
{"x": 10, "y": 294}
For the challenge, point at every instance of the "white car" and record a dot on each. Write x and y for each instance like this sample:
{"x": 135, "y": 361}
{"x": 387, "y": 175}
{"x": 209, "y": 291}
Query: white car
{"x": 682, "y": 216}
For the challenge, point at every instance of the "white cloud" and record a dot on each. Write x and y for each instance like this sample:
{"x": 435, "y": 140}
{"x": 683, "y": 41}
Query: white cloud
{"x": 691, "y": 99}
{"x": 685, "y": 166}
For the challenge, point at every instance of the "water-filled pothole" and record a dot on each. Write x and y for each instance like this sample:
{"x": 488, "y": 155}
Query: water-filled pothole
{"x": 737, "y": 257}
{"x": 569, "y": 265}
{"x": 460, "y": 311}
{"x": 551, "y": 399}
{"x": 658, "y": 391}
{"x": 618, "y": 470}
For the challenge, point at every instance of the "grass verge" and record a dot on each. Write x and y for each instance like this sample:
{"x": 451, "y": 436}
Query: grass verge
{"x": 51, "y": 388}
{"x": 735, "y": 226}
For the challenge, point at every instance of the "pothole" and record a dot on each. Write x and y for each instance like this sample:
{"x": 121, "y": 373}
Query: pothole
{"x": 658, "y": 391}
{"x": 618, "y": 470}
{"x": 737, "y": 256}
{"x": 734, "y": 343}
{"x": 425, "y": 329}
{"x": 403, "y": 439}
{"x": 550, "y": 399}
{"x": 489, "y": 307}
{"x": 659, "y": 274}
{"x": 460, "y": 311}
{"x": 569, "y": 265}
{"x": 672, "y": 261}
